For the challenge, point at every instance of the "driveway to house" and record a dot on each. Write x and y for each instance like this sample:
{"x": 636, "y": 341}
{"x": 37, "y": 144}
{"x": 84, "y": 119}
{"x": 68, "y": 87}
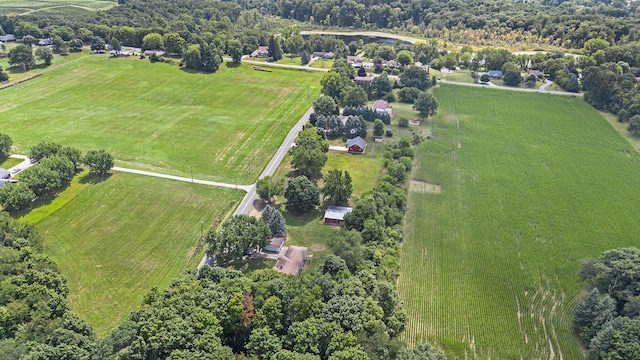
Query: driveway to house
{"x": 246, "y": 188}
{"x": 541, "y": 90}
{"x": 26, "y": 163}
{"x": 337, "y": 148}
{"x": 270, "y": 169}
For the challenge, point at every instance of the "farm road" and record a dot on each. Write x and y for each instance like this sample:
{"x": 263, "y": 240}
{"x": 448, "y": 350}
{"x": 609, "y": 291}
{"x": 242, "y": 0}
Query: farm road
{"x": 541, "y": 90}
{"x": 181, "y": 178}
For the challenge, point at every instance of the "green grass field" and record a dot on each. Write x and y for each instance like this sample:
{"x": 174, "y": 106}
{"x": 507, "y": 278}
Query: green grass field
{"x": 23, "y": 7}
{"x": 531, "y": 184}
{"x": 223, "y": 126}
{"x": 10, "y": 162}
{"x": 116, "y": 239}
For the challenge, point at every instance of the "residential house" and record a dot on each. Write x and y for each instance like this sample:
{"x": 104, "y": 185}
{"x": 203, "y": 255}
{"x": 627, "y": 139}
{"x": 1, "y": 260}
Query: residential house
{"x": 323, "y": 54}
{"x": 275, "y": 245}
{"x": 495, "y": 74}
{"x": 335, "y": 214}
{"x": 261, "y": 51}
{"x": 536, "y": 73}
{"x": 382, "y": 106}
{"x": 363, "y": 80}
{"x": 4, "y": 173}
{"x": 159, "y": 53}
{"x": 356, "y": 145}
{"x": 393, "y": 64}
{"x": 293, "y": 260}
{"x": 445, "y": 70}
{"x": 355, "y": 60}
{"x": 45, "y": 42}
{"x": 7, "y": 38}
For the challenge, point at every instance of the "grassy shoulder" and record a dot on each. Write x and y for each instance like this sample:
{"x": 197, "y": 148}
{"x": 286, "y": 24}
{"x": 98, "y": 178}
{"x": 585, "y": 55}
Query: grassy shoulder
{"x": 531, "y": 184}
{"x": 116, "y": 238}
{"x": 219, "y": 126}
{"x": 10, "y": 162}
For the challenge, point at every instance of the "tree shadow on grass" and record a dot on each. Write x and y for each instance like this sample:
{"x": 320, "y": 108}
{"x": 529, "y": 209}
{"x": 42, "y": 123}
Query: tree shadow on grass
{"x": 231, "y": 64}
{"x": 294, "y": 219}
{"x": 41, "y": 201}
{"x": 250, "y": 263}
{"x": 94, "y": 179}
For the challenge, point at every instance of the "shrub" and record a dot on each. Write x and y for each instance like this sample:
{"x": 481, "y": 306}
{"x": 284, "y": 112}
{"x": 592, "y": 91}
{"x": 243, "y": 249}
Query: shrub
{"x": 403, "y": 122}
{"x": 389, "y": 133}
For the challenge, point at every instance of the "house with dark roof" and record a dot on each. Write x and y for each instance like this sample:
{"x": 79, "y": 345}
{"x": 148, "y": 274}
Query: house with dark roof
{"x": 275, "y": 245}
{"x": 45, "y": 42}
{"x": 356, "y": 145}
{"x": 261, "y": 51}
{"x": 495, "y": 74}
{"x": 293, "y": 260}
{"x": 363, "y": 80}
{"x": 334, "y": 215}
{"x": 355, "y": 60}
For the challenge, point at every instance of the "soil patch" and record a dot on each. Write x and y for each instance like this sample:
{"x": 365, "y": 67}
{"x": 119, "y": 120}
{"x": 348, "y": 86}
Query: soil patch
{"x": 425, "y": 187}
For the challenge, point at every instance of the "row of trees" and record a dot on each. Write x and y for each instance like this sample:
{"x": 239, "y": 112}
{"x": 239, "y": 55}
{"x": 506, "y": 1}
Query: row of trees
{"x": 54, "y": 167}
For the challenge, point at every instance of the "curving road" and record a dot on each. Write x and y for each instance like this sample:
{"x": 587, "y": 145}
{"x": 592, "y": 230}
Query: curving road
{"x": 541, "y": 90}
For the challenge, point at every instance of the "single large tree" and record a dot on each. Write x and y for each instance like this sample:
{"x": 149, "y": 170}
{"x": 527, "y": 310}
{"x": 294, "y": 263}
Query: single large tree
{"x": 415, "y": 77}
{"x": 275, "y": 51}
{"x": 325, "y": 106}
{"x": 98, "y": 44}
{"x": 337, "y": 187}
{"x": 426, "y": 105}
{"x": 16, "y": 196}
{"x": 45, "y": 54}
{"x": 22, "y": 56}
{"x": 5, "y": 146}
{"x": 294, "y": 44}
{"x": 240, "y": 233}
{"x": 302, "y": 195}
{"x": 310, "y": 153}
{"x": 234, "y": 49}
{"x": 268, "y": 187}
{"x": 174, "y": 43}
{"x": 355, "y": 96}
{"x": 274, "y": 220}
{"x": 99, "y": 161}
{"x": 153, "y": 41}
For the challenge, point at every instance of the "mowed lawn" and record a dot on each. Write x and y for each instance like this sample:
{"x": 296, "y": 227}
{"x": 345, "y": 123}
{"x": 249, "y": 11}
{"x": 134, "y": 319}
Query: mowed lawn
{"x": 223, "y": 126}
{"x": 114, "y": 240}
{"x": 534, "y": 184}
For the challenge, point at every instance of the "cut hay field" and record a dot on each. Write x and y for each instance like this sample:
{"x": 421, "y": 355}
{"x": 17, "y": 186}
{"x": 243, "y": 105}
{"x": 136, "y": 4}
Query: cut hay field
{"x": 114, "y": 240}
{"x": 222, "y": 127}
{"x": 531, "y": 184}
{"x": 23, "y": 7}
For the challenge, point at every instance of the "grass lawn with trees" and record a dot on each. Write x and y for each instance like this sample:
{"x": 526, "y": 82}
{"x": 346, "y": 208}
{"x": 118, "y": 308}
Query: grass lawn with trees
{"x": 223, "y": 126}
{"x": 117, "y": 238}
{"x": 531, "y": 184}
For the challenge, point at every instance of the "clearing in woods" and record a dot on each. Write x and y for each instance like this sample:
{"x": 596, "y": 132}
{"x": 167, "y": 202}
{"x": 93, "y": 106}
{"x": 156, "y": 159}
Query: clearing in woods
{"x": 489, "y": 264}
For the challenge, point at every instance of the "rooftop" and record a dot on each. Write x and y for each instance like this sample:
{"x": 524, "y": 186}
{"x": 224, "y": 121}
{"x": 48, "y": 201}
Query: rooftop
{"x": 336, "y": 212}
{"x": 293, "y": 260}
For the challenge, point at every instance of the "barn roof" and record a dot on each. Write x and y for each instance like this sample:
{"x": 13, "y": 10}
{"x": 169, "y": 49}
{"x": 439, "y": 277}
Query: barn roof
{"x": 336, "y": 212}
{"x": 380, "y": 104}
{"x": 356, "y": 141}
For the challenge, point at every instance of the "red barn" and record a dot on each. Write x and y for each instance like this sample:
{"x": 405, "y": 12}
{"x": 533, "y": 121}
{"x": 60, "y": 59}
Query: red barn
{"x": 356, "y": 145}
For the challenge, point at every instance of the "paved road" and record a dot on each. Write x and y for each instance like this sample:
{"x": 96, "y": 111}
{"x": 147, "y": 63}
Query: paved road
{"x": 185, "y": 179}
{"x": 270, "y": 169}
{"x": 541, "y": 90}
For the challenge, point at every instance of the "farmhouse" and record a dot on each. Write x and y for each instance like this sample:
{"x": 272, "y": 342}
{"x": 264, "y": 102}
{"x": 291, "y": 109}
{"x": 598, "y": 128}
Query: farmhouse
{"x": 293, "y": 260}
{"x": 354, "y": 60}
{"x": 356, "y": 145}
{"x": 392, "y": 64}
{"x": 45, "y": 42}
{"x": 4, "y": 173}
{"x": 275, "y": 245}
{"x": 381, "y": 106}
{"x": 261, "y": 51}
{"x": 335, "y": 214}
{"x": 324, "y": 55}
{"x": 495, "y": 74}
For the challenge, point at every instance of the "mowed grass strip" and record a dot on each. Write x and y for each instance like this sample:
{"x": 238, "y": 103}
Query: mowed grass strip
{"x": 224, "y": 126}
{"x": 537, "y": 183}
{"x": 116, "y": 239}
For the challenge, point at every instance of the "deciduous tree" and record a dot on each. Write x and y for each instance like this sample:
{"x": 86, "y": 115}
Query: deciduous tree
{"x": 99, "y": 161}
{"x": 302, "y": 195}
{"x": 268, "y": 187}
{"x": 337, "y": 188}
{"x": 240, "y": 233}
{"x": 22, "y": 56}
{"x": 153, "y": 41}
{"x": 5, "y": 146}
{"x": 234, "y": 49}
{"x": 426, "y": 105}
{"x": 174, "y": 43}
{"x": 98, "y": 44}
{"x": 45, "y": 54}
{"x": 310, "y": 153}
{"x": 16, "y": 196}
